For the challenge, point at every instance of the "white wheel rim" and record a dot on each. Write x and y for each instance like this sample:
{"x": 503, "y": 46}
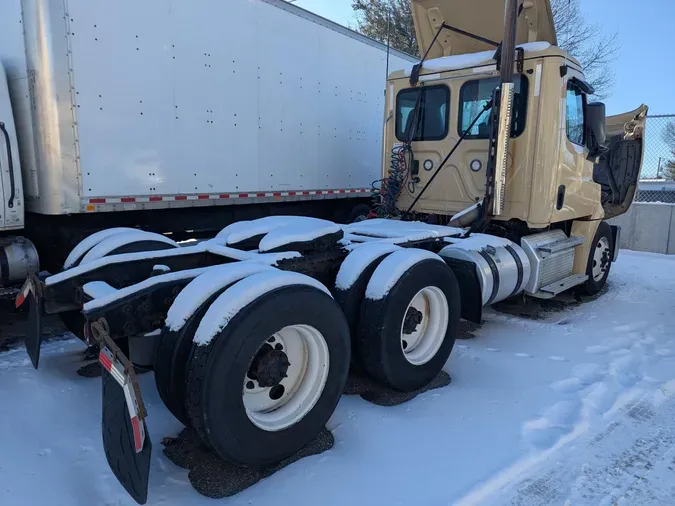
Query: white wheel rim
{"x": 422, "y": 344}
{"x": 308, "y": 355}
{"x": 601, "y": 249}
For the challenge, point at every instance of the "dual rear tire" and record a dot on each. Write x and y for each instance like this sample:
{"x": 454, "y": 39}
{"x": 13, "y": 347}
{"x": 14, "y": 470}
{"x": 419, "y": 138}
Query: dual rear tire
{"x": 264, "y": 387}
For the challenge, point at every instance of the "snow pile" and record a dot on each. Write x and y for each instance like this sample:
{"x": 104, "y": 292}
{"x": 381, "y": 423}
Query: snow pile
{"x": 401, "y": 230}
{"x": 243, "y": 230}
{"x": 201, "y": 288}
{"x": 98, "y": 289}
{"x": 302, "y": 231}
{"x": 392, "y": 268}
{"x": 358, "y": 260}
{"x": 240, "y": 295}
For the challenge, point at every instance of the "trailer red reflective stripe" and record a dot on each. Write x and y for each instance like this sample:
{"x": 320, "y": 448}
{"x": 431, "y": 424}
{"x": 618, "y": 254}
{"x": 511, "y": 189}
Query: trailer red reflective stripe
{"x": 168, "y": 198}
{"x": 138, "y": 441}
{"x": 105, "y": 361}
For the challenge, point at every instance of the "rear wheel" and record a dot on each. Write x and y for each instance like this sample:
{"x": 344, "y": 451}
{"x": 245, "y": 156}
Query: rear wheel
{"x": 405, "y": 338}
{"x": 599, "y": 260}
{"x": 265, "y": 386}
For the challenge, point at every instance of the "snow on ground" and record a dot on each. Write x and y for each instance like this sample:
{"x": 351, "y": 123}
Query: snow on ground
{"x": 576, "y": 408}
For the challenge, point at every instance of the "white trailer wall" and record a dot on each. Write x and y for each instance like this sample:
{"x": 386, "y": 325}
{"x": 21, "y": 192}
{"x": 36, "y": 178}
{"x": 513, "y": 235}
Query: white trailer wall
{"x": 212, "y": 96}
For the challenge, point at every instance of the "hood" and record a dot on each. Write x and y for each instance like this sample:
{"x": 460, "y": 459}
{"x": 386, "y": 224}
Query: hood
{"x": 481, "y": 17}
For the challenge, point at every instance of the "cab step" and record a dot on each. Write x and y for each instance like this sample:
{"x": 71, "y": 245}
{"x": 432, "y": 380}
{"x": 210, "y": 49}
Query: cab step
{"x": 562, "y": 245}
{"x": 564, "y": 284}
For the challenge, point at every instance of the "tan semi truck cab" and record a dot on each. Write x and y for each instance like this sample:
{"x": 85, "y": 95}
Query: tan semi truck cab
{"x": 564, "y": 167}
{"x": 554, "y": 173}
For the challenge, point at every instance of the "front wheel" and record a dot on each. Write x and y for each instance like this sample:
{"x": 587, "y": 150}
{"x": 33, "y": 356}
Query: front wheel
{"x": 599, "y": 260}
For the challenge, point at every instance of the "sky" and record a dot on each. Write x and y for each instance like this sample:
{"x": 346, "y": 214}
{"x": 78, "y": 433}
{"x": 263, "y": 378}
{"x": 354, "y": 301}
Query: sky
{"x": 644, "y": 69}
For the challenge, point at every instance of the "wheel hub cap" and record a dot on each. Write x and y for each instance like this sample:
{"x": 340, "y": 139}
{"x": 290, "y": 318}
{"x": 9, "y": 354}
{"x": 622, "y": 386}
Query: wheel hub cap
{"x": 269, "y": 367}
{"x": 601, "y": 259}
{"x": 413, "y": 319}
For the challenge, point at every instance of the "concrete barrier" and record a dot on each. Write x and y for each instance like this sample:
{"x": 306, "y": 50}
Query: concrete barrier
{"x": 648, "y": 227}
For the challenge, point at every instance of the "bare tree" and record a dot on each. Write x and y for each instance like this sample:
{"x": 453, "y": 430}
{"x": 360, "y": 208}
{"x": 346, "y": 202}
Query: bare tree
{"x": 387, "y": 20}
{"x": 588, "y": 42}
{"x": 595, "y": 49}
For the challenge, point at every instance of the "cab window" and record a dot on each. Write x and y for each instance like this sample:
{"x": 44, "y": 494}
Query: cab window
{"x": 576, "y": 102}
{"x": 432, "y": 116}
{"x": 475, "y": 94}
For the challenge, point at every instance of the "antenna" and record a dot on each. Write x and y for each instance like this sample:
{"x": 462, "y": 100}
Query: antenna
{"x": 388, "y": 41}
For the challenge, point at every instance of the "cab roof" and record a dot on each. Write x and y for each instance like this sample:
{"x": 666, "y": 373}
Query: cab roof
{"x": 481, "y": 59}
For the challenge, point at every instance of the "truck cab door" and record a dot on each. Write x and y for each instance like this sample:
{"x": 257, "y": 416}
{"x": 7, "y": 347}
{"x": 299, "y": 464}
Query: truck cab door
{"x": 618, "y": 169}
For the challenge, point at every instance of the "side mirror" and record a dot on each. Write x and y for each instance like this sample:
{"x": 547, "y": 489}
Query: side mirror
{"x": 596, "y": 123}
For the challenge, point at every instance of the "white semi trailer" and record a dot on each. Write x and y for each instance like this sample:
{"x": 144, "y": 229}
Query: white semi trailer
{"x": 178, "y": 116}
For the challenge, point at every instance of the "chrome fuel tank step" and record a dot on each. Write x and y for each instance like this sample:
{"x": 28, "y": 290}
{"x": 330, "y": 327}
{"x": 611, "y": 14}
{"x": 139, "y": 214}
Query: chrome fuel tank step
{"x": 551, "y": 256}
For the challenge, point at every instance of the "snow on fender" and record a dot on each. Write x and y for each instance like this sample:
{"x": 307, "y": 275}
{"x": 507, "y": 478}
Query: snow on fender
{"x": 200, "y": 289}
{"x": 89, "y": 242}
{"x": 353, "y": 276}
{"x": 392, "y": 268}
{"x": 357, "y": 261}
{"x": 116, "y": 241}
{"x": 237, "y": 297}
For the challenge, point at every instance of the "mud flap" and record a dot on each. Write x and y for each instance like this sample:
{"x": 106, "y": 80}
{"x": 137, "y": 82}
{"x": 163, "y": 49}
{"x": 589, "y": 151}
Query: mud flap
{"x": 469, "y": 285}
{"x": 130, "y": 467}
{"x": 34, "y": 331}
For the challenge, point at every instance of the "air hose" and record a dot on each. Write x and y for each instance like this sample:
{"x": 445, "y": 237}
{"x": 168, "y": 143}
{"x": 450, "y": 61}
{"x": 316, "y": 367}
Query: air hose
{"x": 385, "y": 197}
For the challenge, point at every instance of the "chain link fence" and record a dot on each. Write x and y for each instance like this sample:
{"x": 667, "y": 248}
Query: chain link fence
{"x": 657, "y": 180}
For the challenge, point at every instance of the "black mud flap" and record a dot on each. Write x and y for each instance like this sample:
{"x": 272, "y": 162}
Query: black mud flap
{"x": 130, "y": 468}
{"x": 34, "y": 332}
{"x": 469, "y": 285}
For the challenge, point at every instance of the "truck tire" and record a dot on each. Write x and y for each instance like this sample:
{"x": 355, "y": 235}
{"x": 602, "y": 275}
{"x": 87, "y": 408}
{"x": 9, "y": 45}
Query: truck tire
{"x": 599, "y": 260}
{"x": 171, "y": 362}
{"x": 359, "y": 213}
{"x": 74, "y": 322}
{"x": 236, "y": 398}
{"x": 350, "y": 297}
{"x": 405, "y": 339}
